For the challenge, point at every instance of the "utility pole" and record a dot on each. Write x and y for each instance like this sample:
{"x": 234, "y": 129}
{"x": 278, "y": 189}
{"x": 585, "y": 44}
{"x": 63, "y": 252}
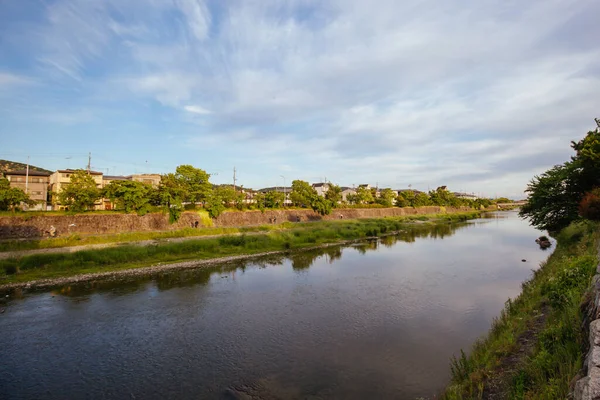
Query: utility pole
{"x": 284, "y": 193}
{"x": 234, "y": 179}
{"x": 89, "y": 167}
{"x": 27, "y": 177}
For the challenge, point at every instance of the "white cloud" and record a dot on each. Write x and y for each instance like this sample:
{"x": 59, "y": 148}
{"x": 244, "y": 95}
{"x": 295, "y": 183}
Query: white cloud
{"x": 197, "y": 110}
{"x": 9, "y": 79}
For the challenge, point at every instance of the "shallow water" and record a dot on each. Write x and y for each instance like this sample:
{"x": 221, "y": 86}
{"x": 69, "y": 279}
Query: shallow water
{"x": 377, "y": 320}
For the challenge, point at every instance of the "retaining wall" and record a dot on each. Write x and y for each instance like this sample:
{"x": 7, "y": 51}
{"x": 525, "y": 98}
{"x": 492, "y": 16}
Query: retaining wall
{"x": 24, "y": 226}
{"x": 588, "y": 387}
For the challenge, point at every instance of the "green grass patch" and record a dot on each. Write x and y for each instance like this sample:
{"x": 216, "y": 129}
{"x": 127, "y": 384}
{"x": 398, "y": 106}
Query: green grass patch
{"x": 287, "y": 237}
{"x": 557, "y": 289}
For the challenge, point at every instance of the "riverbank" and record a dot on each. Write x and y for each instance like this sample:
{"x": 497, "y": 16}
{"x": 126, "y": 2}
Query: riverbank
{"x": 19, "y": 270}
{"x": 535, "y": 347}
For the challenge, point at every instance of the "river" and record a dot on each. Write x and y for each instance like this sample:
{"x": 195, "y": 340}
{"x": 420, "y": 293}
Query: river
{"x": 371, "y": 321}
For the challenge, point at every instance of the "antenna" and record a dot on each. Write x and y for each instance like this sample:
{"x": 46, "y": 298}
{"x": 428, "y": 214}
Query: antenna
{"x": 234, "y": 179}
{"x": 89, "y": 162}
{"x": 27, "y": 177}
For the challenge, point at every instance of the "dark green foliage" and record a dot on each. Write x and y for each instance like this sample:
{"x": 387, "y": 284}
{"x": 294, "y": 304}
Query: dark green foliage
{"x": 214, "y": 205}
{"x": 554, "y": 197}
{"x": 10, "y": 198}
{"x": 130, "y": 196}
{"x": 81, "y": 194}
{"x": 589, "y": 207}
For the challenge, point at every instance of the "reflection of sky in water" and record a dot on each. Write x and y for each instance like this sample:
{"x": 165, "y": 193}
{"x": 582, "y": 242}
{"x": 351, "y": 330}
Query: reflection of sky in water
{"x": 369, "y": 321}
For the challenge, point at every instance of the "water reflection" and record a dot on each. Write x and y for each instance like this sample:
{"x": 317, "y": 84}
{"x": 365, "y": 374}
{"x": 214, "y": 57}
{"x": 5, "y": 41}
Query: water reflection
{"x": 379, "y": 319}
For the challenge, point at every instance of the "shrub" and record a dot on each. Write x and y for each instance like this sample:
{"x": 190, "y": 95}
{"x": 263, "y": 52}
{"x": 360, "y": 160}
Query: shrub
{"x": 589, "y": 207}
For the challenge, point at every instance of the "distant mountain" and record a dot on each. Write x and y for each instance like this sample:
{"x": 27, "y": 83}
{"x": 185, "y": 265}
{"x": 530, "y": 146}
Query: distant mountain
{"x": 6, "y": 165}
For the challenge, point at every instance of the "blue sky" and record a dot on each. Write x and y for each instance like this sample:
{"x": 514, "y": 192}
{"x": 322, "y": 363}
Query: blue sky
{"x": 477, "y": 95}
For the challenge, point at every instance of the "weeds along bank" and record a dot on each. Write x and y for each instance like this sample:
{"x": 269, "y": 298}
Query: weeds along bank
{"x": 32, "y": 226}
{"x": 45, "y": 266}
{"x": 537, "y": 346}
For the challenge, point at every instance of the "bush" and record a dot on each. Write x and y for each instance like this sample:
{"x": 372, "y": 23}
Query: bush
{"x": 589, "y": 207}
{"x": 10, "y": 269}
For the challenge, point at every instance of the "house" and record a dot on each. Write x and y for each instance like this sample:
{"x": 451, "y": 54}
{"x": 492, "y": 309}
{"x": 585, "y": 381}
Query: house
{"x": 61, "y": 178}
{"x": 346, "y": 191}
{"x": 34, "y": 183}
{"x": 283, "y": 189}
{"x": 149, "y": 179}
{"x": 321, "y": 188}
{"x": 467, "y": 196}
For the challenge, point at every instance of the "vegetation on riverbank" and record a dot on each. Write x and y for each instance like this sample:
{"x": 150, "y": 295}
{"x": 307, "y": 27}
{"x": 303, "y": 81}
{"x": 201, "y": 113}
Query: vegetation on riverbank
{"x": 129, "y": 256}
{"x": 535, "y": 348}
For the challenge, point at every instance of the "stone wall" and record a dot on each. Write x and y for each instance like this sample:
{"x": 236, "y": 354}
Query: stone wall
{"x": 588, "y": 387}
{"x": 36, "y": 226}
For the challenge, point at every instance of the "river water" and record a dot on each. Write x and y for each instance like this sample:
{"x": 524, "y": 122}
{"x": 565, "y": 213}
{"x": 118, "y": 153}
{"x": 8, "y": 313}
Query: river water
{"x": 371, "y": 321}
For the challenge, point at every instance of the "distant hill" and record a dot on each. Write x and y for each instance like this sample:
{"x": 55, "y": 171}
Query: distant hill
{"x": 6, "y": 165}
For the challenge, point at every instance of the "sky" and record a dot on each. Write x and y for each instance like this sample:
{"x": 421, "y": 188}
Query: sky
{"x": 478, "y": 95}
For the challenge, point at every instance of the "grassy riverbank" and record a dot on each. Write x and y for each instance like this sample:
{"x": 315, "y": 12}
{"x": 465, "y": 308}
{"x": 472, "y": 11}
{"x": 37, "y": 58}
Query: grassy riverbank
{"x": 43, "y": 266}
{"x": 534, "y": 349}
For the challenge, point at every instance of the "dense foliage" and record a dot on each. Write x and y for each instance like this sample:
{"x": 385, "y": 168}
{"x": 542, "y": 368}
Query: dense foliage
{"x": 131, "y": 196}
{"x": 558, "y": 196}
{"x": 11, "y": 198}
{"x": 81, "y": 193}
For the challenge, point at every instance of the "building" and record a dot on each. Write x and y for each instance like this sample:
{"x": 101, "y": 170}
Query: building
{"x": 346, "y": 191}
{"x": 149, "y": 179}
{"x": 61, "y": 178}
{"x": 321, "y": 188}
{"x": 467, "y": 196}
{"x": 34, "y": 183}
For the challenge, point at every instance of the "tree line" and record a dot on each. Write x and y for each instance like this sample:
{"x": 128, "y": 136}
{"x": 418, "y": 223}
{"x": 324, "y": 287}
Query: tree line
{"x": 189, "y": 187}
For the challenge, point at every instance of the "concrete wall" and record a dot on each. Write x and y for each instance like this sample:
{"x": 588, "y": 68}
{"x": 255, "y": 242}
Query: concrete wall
{"x": 36, "y": 226}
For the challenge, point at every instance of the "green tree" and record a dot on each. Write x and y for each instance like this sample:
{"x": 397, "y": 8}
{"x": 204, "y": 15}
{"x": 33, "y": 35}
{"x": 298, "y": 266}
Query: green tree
{"x": 364, "y": 196}
{"x": 131, "y": 196}
{"x": 552, "y": 198}
{"x": 441, "y": 197}
{"x": 10, "y": 198}
{"x": 230, "y": 197}
{"x": 259, "y": 201}
{"x": 421, "y": 199}
{"x": 214, "y": 205}
{"x": 386, "y": 197}
{"x": 81, "y": 193}
{"x": 170, "y": 194}
{"x": 334, "y": 194}
{"x": 302, "y": 193}
{"x": 274, "y": 199}
{"x": 321, "y": 205}
{"x": 194, "y": 182}
{"x": 402, "y": 201}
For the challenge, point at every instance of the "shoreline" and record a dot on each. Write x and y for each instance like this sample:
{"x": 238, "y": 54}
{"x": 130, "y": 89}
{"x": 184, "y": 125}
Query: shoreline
{"x": 163, "y": 267}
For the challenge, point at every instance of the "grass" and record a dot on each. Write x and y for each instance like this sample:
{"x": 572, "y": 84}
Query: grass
{"x": 557, "y": 289}
{"x": 302, "y": 235}
{"x": 207, "y": 230}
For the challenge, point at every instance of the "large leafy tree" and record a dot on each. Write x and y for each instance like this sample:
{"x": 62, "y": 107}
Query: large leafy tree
{"x": 10, "y": 197}
{"x": 81, "y": 193}
{"x": 334, "y": 194}
{"x": 554, "y": 196}
{"x": 274, "y": 199}
{"x": 364, "y": 196}
{"x": 302, "y": 193}
{"x": 131, "y": 196}
{"x": 386, "y": 197}
{"x": 170, "y": 194}
{"x": 194, "y": 182}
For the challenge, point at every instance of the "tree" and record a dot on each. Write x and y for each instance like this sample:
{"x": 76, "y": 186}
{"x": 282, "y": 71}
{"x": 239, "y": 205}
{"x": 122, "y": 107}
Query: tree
{"x": 402, "y": 201}
{"x": 421, "y": 200}
{"x": 214, "y": 205}
{"x": 81, "y": 193}
{"x": 230, "y": 197}
{"x": 364, "y": 196}
{"x": 274, "y": 199}
{"x": 553, "y": 197}
{"x": 10, "y": 198}
{"x": 302, "y": 193}
{"x": 441, "y": 197}
{"x": 170, "y": 194}
{"x": 334, "y": 194}
{"x": 259, "y": 200}
{"x": 386, "y": 197}
{"x": 194, "y": 182}
{"x": 132, "y": 196}
{"x": 552, "y": 200}
{"x": 321, "y": 205}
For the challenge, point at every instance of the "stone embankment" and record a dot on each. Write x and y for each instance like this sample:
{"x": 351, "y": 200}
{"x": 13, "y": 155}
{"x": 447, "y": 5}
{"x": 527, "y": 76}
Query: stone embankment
{"x": 24, "y": 226}
{"x": 588, "y": 387}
